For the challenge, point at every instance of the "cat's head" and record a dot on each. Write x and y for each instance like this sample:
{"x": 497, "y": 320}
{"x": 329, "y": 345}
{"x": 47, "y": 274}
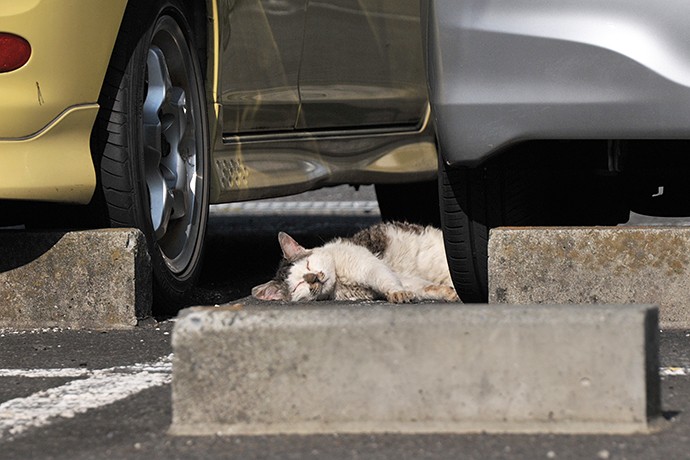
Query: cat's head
{"x": 303, "y": 274}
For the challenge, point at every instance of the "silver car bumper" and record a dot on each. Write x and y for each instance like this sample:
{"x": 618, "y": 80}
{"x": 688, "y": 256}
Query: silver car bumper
{"x": 505, "y": 71}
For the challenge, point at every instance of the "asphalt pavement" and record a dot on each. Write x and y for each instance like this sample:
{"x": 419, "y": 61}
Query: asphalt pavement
{"x": 94, "y": 394}
{"x": 136, "y": 427}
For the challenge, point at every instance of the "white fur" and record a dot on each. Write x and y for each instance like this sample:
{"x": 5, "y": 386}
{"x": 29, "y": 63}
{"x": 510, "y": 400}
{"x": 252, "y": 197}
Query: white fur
{"x": 412, "y": 254}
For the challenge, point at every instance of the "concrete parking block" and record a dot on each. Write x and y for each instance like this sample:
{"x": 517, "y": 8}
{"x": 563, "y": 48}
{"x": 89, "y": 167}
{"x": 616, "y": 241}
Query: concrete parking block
{"x": 325, "y": 368}
{"x": 97, "y": 279}
{"x": 590, "y": 265}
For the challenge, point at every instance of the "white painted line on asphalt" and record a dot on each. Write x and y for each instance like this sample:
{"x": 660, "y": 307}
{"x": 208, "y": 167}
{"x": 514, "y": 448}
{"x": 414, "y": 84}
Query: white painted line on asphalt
{"x": 46, "y": 373}
{"x": 297, "y": 207}
{"x": 674, "y": 371}
{"x": 78, "y": 372}
{"x": 101, "y": 388}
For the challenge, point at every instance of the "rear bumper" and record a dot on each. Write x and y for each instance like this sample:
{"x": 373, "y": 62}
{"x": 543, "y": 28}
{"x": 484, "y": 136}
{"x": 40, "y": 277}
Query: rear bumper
{"x": 54, "y": 165}
{"x": 48, "y": 106}
{"x": 504, "y": 72}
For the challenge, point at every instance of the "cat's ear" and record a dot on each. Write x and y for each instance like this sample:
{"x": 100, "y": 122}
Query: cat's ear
{"x": 292, "y": 250}
{"x": 269, "y": 291}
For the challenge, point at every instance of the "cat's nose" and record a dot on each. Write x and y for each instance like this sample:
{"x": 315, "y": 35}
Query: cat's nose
{"x": 311, "y": 278}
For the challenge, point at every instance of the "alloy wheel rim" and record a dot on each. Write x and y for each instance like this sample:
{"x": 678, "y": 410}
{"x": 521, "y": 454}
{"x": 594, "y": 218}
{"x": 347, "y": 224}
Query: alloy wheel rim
{"x": 173, "y": 152}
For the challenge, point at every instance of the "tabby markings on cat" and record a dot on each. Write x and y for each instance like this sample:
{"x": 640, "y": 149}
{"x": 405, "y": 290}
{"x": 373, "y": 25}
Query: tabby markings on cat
{"x": 393, "y": 261}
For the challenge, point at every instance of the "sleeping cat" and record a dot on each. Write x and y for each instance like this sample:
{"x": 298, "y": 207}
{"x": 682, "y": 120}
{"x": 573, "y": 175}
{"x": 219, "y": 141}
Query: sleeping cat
{"x": 392, "y": 261}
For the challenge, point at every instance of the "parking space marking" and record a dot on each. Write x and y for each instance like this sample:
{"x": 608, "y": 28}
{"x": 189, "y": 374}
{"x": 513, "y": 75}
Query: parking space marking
{"x": 46, "y": 373}
{"x": 97, "y": 388}
{"x": 100, "y": 388}
{"x": 674, "y": 371}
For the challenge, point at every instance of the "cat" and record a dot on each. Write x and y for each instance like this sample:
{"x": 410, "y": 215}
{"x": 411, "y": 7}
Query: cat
{"x": 394, "y": 261}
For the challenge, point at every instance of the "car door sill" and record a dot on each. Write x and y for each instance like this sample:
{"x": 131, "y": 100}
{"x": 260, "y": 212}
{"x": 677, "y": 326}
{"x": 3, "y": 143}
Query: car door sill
{"x": 328, "y": 134}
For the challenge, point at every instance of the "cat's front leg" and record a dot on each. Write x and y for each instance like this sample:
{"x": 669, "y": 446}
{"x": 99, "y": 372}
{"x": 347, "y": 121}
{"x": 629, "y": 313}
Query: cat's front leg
{"x": 382, "y": 279}
{"x": 392, "y": 287}
{"x": 357, "y": 266}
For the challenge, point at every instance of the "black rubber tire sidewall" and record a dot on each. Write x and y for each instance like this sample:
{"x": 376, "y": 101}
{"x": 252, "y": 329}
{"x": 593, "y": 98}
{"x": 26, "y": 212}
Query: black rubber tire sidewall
{"x": 466, "y": 234}
{"x": 516, "y": 192}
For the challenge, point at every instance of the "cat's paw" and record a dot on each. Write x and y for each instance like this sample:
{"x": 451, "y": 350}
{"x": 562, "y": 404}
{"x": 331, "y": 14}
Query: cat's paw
{"x": 401, "y": 297}
{"x": 441, "y": 292}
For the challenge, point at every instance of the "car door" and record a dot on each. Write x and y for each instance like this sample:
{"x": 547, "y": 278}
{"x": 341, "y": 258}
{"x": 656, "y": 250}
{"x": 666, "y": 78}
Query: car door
{"x": 260, "y": 48}
{"x": 362, "y": 65}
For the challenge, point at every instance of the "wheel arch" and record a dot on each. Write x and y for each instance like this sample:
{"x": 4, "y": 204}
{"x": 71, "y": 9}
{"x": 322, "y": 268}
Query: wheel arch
{"x": 201, "y": 20}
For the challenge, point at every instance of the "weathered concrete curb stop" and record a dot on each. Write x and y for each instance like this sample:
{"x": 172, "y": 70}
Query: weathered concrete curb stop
{"x": 590, "y": 265}
{"x": 97, "y": 279}
{"x": 415, "y": 369}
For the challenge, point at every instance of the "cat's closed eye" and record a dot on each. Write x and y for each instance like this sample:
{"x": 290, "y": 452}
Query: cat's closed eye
{"x": 311, "y": 278}
{"x": 314, "y": 278}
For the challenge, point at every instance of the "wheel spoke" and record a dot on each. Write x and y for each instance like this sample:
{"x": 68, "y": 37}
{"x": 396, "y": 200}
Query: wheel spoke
{"x": 158, "y": 85}
{"x": 174, "y": 132}
{"x": 161, "y": 203}
{"x": 165, "y": 126}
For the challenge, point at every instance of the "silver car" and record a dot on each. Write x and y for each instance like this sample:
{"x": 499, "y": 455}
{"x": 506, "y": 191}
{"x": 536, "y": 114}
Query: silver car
{"x": 564, "y": 112}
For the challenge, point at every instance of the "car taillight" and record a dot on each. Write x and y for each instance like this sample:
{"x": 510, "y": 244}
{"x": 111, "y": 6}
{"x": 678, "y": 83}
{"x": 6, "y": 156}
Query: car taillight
{"x": 14, "y": 52}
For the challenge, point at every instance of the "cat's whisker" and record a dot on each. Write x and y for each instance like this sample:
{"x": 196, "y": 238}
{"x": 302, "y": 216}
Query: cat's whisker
{"x": 298, "y": 285}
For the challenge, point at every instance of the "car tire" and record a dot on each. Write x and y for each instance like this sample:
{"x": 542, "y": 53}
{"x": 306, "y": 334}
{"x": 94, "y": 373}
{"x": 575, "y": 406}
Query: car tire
{"x": 415, "y": 202}
{"x": 475, "y": 200}
{"x": 465, "y": 230}
{"x": 151, "y": 145}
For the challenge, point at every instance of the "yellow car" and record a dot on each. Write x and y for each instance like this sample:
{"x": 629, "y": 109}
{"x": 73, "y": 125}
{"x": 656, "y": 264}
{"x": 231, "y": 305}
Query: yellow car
{"x": 142, "y": 113}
